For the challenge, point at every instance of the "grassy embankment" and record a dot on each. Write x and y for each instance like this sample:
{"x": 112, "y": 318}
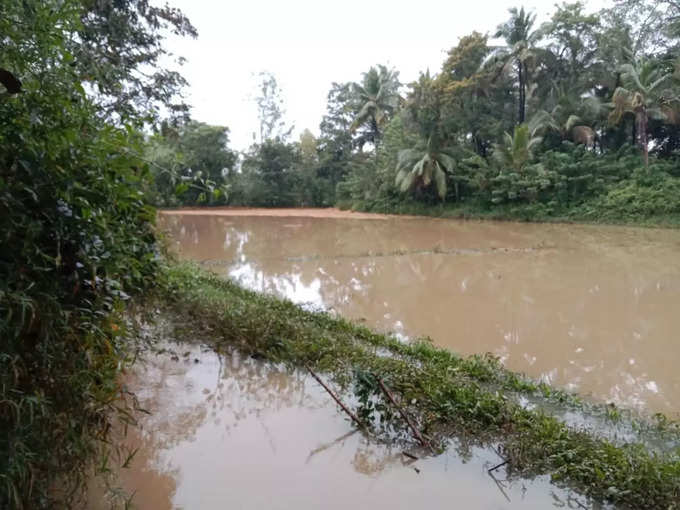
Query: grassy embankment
{"x": 447, "y": 396}
{"x": 594, "y": 212}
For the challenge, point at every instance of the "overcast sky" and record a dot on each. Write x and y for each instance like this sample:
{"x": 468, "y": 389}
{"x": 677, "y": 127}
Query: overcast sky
{"x": 308, "y": 44}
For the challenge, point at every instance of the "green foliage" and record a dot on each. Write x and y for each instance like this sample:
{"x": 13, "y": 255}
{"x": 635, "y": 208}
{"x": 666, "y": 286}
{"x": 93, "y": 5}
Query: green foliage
{"x": 371, "y": 180}
{"x": 422, "y": 168}
{"x": 645, "y": 94}
{"x": 586, "y": 98}
{"x": 268, "y": 175}
{"x": 119, "y": 54}
{"x": 335, "y": 144}
{"x": 640, "y": 197}
{"x": 377, "y": 99}
{"x": 190, "y": 165}
{"x": 516, "y": 150}
{"x": 76, "y": 241}
{"x": 520, "y": 56}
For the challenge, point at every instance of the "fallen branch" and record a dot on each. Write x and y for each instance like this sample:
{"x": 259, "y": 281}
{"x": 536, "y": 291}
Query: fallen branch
{"x": 498, "y": 466}
{"x": 500, "y": 486}
{"x": 404, "y": 415}
{"x": 337, "y": 400}
{"x": 409, "y": 455}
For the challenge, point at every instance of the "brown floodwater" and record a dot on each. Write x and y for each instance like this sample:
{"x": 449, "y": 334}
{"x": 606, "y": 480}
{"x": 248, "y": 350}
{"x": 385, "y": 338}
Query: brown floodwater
{"x": 591, "y": 309}
{"x": 588, "y": 308}
{"x": 226, "y": 432}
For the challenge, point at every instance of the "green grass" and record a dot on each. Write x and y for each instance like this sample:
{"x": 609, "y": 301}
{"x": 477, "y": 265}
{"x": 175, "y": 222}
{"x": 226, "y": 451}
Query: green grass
{"x": 588, "y": 212}
{"x": 449, "y": 396}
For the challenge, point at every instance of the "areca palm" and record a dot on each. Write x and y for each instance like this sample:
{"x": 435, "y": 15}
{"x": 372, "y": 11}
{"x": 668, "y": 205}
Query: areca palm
{"x": 378, "y": 97}
{"x": 424, "y": 166}
{"x": 645, "y": 93}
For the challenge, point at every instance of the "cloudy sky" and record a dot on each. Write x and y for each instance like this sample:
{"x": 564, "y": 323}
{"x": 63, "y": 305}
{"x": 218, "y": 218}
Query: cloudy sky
{"x": 308, "y": 44}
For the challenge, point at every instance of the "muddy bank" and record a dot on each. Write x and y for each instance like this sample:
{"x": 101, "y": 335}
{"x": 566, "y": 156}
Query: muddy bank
{"x": 330, "y": 212}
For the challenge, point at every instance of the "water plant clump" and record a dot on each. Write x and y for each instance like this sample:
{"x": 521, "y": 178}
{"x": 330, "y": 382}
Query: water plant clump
{"x": 443, "y": 395}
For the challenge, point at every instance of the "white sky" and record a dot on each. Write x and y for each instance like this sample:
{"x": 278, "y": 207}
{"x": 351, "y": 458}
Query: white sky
{"x": 308, "y": 44}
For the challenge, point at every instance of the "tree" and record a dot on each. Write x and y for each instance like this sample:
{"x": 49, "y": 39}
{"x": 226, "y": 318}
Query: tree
{"x": 76, "y": 239}
{"x": 269, "y": 174}
{"x": 191, "y": 164}
{"x": 377, "y": 97}
{"x": 312, "y": 188}
{"x": 428, "y": 162}
{"x": 270, "y": 108}
{"x": 308, "y": 147}
{"x": 644, "y": 94}
{"x": 572, "y": 117}
{"x": 422, "y": 166}
{"x": 335, "y": 142}
{"x": 474, "y": 105}
{"x": 118, "y": 53}
{"x": 650, "y": 25}
{"x": 572, "y": 39}
{"x": 520, "y": 51}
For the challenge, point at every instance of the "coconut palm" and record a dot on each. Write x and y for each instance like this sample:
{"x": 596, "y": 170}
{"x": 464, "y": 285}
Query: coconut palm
{"x": 571, "y": 117}
{"x": 645, "y": 93}
{"x": 378, "y": 97}
{"x": 422, "y": 166}
{"x": 519, "y": 52}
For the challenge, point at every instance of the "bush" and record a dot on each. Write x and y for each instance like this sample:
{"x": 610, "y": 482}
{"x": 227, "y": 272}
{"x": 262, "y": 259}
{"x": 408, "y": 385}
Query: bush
{"x": 646, "y": 194}
{"x": 76, "y": 239}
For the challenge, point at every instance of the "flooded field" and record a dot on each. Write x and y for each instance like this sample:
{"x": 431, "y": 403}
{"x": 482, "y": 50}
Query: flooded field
{"x": 588, "y": 308}
{"x": 228, "y": 432}
{"x": 592, "y": 309}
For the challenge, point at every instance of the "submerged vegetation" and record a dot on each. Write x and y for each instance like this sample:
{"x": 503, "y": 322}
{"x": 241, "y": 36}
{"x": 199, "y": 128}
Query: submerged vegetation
{"x": 446, "y": 395}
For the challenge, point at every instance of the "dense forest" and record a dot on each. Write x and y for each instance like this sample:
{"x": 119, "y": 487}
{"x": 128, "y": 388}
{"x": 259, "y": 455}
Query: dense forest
{"x": 575, "y": 118}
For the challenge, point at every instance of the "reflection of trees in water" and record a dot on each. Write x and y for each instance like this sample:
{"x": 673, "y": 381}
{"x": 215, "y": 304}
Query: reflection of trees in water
{"x": 241, "y": 387}
{"x": 179, "y": 405}
{"x": 229, "y": 390}
{"x": 371, "y": 459}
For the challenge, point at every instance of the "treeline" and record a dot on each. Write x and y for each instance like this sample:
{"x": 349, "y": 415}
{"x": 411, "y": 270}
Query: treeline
{"x": 576, "y": 118}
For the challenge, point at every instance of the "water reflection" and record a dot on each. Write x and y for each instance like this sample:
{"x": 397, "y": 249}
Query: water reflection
{"x": 229, "y": 432}
{"x": 592, "y": 309}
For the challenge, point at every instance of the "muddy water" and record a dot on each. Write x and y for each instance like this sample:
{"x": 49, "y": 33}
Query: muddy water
{"x": 232, "y": 433}
{"x": 592, "y": 309}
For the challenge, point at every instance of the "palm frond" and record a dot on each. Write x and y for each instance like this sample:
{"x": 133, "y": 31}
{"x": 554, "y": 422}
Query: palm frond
{"x": 533, "y": 142}
{"x": 407, "y": 158}
{"x": 447, "y": 162}
{"x": 572, "y": 121}
{"x": 440, "y": 180}
{"x": 622, "y": 102}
